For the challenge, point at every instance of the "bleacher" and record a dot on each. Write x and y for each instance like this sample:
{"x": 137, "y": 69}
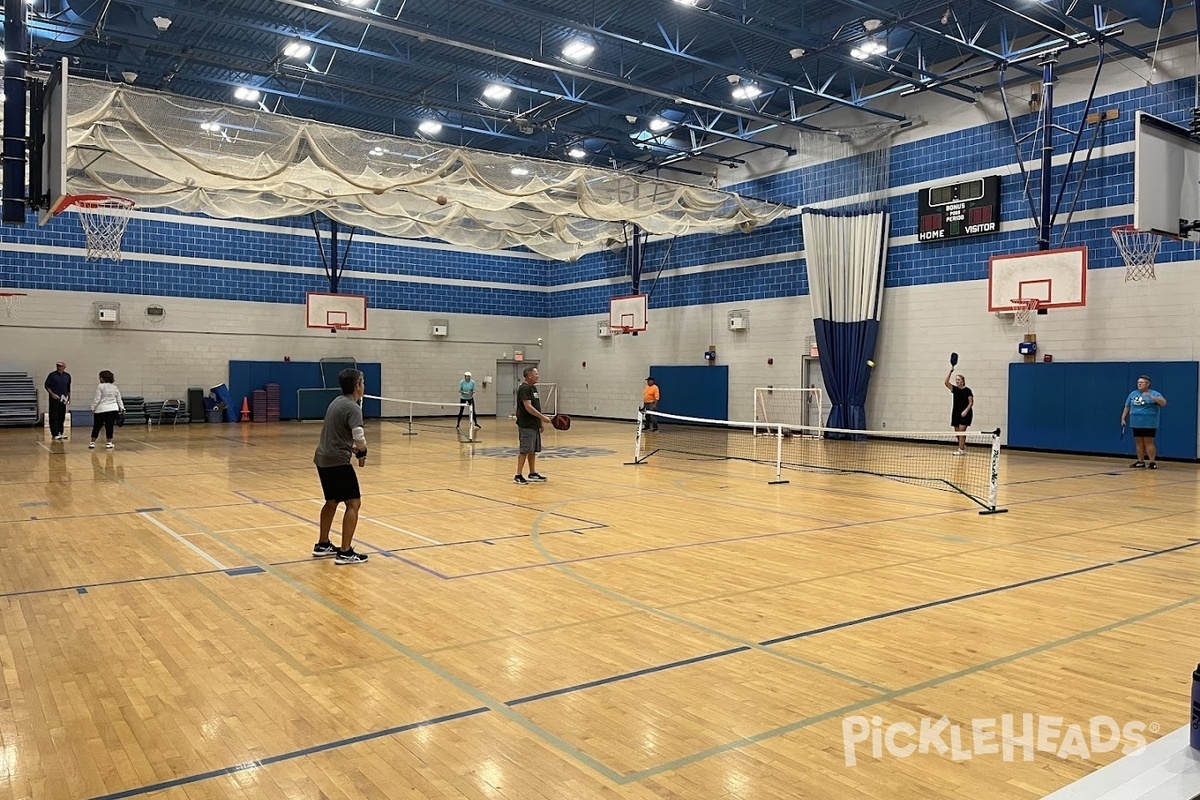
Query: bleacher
{"x": 18, "y": 399}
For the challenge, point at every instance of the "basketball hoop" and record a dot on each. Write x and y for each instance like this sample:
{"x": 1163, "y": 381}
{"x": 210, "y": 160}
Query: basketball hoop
{"x": 13, "y": 301}
{"x": 104, "y": 218}
{"x": 1023, "y": 310}
{"x": 1139, "y": 249}
{"x": 626, "y": 329}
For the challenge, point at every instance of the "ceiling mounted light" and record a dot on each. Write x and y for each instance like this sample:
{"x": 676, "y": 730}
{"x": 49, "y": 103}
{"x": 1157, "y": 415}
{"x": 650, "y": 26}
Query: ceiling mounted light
{"x": 578, "y": 50}
{"x": 520, "y": 172}
{"x": 686, "y": 2}
{"x": 430, "y": 128}
{"x": 872, "y": 25}
{"x": 210, "y": 127}
{"x": 377, "y": 151}
{"x": 355, "y": 3}
{"x": 162, "y": 23}
{"x": 658, "y": 124}
{"x": 496, "y": 93}
{"x": 297, "y": 50}
{"x": 247, "y": 94}
{"x": 871, "y": 47}
{"x": 797, "y": 52}
{"x": 577, "y": 152}
{"x": 746, "y": 91}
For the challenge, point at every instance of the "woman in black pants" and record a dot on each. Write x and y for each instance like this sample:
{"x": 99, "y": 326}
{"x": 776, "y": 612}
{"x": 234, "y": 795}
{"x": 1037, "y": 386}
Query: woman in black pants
{"x": 106, "y": 407}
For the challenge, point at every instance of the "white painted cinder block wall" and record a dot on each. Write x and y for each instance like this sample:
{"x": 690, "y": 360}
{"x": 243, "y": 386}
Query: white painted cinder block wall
{"x": 196, "y": 340}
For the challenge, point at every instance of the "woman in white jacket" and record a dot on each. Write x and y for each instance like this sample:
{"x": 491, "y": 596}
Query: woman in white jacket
{"x": 106, "y": 406}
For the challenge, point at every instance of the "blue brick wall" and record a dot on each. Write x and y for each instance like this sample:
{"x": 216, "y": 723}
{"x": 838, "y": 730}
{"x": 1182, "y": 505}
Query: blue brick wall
{"x": 261, "y": 254}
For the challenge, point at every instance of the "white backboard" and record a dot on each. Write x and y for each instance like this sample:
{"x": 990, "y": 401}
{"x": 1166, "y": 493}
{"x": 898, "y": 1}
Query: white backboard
{"x": 1055, "y": 278}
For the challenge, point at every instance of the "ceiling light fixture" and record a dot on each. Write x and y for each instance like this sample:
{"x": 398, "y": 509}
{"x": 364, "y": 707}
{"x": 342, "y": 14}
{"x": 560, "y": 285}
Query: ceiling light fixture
{"x": 297, "y": 50}
{"x": 747, "y": 91}
{"x": 495, "y": 92}
{"x": 578, "y": 50}
{"x": 430, "y": 128}
{"x": 377, "y": 151}
{"x": 520, "y": 172}
{"x": 247, "y": 94}
{"x": 210, "y": 127}
{"x": 659, "y": 124}
{"x": 162, "y": 23}
{"x": 872, "y": 25}
{"x": 797, "y": 52}
{"x": 577, "y": 152}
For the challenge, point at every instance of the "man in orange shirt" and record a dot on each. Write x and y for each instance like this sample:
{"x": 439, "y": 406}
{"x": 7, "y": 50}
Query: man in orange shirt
{"x": 650, "y": 403}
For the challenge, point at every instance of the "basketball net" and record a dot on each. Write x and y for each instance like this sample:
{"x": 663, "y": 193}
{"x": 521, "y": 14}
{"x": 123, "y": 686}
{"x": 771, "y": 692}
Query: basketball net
{"x": 104, "y": 220}
{"x": 1023, "y": 311}
{"x": 1139, "y": 249}
{"x": 12, "y": 303}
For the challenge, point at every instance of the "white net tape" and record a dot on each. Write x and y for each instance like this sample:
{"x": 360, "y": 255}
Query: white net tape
{"x": 104, "y": 220}
{"x": 1139, "y": 249}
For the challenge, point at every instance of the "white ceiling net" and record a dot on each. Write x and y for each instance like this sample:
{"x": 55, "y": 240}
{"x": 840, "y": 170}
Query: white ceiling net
{"x": 152, "y": 148}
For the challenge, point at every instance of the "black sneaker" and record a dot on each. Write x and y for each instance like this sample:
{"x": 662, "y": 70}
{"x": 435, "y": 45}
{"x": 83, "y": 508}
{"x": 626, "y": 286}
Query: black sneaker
{"x": 349, "y": 557}
{"x": 1137, "y": 464}
{"x": 324, "y": 549}
{"x": 1152, "y": 465}
{"x": 520, "y": 479}
{"x": 536, "y": 478}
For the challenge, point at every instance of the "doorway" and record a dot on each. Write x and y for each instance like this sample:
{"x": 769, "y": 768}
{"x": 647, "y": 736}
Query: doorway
{"x": 508, "y": 378}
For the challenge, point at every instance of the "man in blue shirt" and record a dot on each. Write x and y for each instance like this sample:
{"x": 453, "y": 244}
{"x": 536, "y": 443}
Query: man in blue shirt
{"x": 58, "y": 387}
{"x": 1142, "y": 410}
{"x": 466, "y": 396}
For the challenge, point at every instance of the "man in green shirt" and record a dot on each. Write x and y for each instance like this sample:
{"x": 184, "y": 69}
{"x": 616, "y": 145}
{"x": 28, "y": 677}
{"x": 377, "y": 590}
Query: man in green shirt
{"x": 529, "y": 426}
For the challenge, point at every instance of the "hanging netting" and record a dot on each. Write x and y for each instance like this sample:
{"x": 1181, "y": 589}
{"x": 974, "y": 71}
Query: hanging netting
{"x": 846, "y": 170}
{"x": 165, "y": 151}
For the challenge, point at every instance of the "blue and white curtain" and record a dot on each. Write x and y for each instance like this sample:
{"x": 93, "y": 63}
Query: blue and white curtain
{"x": 845, "y": 251}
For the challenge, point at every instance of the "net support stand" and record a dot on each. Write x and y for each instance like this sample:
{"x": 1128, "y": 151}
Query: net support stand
{"x": 637, "y": 441}
{"x": 778, "y": 458}
{"x": 994, "y": 477}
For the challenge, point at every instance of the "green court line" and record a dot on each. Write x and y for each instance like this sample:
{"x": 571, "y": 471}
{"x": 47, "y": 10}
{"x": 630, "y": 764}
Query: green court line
{"x": 492, "y": 703}
{"x": 551, "y": 560}
{"x": 694, "y": 758}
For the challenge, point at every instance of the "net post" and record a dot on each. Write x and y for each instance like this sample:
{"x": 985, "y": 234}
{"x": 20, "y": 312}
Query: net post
{"x": 778, "y": 458}
{"x": 994, "y": 477}
{"x": 637, "y": 440}
{"x": 410, "y": 431}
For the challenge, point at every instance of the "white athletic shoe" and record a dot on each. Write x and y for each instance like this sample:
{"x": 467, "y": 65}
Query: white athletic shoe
{"x": 109, "y": 446}
{"x": 960, "y": 452}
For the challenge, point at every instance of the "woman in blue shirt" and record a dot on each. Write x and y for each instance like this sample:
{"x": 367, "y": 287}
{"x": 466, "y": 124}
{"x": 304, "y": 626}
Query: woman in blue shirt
{"x": 1142, "y": 410}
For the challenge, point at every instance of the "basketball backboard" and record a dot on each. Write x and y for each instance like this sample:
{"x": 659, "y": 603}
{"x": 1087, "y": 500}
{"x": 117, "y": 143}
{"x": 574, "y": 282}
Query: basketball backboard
{"x": 347, "y": 312}
{"x": 1166, "y": 179}
{"x": 1055, "y": 278}
{"x": 627, "y": 313}
{"x": 51, "y": 158}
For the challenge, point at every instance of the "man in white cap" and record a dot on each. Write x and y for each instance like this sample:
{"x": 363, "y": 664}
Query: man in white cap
{"x": 58, "y": 387}
{"x": 466, "y": 396}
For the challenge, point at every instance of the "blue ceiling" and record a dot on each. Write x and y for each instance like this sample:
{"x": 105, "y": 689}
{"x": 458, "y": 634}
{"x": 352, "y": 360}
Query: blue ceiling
{"x": 388, "y": 65}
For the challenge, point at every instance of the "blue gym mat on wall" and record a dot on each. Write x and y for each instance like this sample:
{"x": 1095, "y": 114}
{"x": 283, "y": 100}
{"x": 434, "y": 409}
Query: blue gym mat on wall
{"x": 693, "y": 391}
{"x": 246, "y": 376}
{"x": 1076, "y": 406}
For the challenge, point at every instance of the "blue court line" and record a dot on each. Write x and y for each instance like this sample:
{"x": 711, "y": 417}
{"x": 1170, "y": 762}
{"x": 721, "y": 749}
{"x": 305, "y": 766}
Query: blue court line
{"x": 307, "y": 751}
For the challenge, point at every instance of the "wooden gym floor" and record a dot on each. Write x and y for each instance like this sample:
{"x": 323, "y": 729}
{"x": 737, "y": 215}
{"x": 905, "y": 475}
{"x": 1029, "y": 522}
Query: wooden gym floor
{"x": 680, "y": 629}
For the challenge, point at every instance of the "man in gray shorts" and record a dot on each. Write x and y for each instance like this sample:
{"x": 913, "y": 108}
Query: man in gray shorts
{"x": 342, "y": 437}
{"x": 529, "y": 426}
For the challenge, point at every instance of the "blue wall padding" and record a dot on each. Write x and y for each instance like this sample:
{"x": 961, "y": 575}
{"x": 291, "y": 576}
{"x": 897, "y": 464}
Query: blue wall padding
{"x": 1076, "y": 406}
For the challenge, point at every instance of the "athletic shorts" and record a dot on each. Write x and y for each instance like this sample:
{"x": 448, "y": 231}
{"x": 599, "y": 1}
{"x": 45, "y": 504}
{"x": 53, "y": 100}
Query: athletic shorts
{"x": 339, "y": 483}
{"x": 956, "y": 420}
{"x": 1145, "y": 433}
{"x": 531, "y": 440}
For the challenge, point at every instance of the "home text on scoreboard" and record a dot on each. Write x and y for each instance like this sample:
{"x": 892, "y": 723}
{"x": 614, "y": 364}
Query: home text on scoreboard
{"x": 953, "y": 210}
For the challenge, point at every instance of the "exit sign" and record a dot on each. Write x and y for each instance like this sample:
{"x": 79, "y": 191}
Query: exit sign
{"x": 954, "y": 210}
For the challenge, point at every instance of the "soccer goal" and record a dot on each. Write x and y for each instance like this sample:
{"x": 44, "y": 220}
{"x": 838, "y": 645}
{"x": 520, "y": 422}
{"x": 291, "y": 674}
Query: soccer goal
{"x": 803, "y": 408}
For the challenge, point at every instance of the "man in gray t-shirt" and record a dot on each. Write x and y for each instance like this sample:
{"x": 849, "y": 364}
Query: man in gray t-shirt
{"x": 342, "y": 438}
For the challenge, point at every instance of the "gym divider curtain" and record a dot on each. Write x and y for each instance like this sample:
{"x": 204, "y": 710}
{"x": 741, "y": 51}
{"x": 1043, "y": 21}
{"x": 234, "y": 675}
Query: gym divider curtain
{"x": 845, "y": 252}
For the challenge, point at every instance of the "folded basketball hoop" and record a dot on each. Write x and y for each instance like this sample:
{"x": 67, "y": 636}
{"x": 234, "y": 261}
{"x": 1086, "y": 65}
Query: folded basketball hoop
{"x": 1139, "y": 249}
{"x": 104, "y": 218}
{"x": 1023, "y": 310}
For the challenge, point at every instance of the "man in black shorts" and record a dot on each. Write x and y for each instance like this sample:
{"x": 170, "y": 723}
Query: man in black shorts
{"x": 529, "y": 426}
{"x": 341, "y": 437}
{"x": 963, "y": 410}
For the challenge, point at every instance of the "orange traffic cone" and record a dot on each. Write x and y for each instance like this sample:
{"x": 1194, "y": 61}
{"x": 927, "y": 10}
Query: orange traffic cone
{"x": 245, "y": 409}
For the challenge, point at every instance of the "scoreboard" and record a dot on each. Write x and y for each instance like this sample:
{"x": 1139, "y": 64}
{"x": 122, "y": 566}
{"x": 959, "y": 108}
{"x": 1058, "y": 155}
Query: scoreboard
{"x": 953, "y": 210}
